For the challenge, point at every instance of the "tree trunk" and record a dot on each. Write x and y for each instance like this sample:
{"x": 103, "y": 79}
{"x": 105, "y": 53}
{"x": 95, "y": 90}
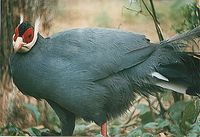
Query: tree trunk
{"x": 10, "y": 12}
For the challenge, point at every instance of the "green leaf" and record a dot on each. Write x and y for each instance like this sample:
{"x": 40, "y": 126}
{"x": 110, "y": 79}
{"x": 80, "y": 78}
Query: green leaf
{"x": 180, "y": 3}
{"x": 11, "y": 129}
{"x": 175, "y": 129}
{"x": 99, "y": 135}
{"x": 34, "y": 132}
{"x": 197, "y": 106}
{"x": 147, "y": 117}
{"x": 44, "y": 130}
{"x": 195, "y": 129}
{"x": 34, "y": 110}
{"x": 147, "y": 135}
{"x": 162, "y": 123}
{"x": 151, "y": 125}
{"x": 192, "y": 135}
{"x": 167, "y": 96}
{"x": 189, "y": 113}
{"x": 143, "y": 108}
{"x": 189, "y": 116}
{"x": 1, "y": 132}
{"x": 176, "y": 110}
{"x": 114, "y": 130}
{"x": 135, "y": 133}
{"x": 80, "y": 129}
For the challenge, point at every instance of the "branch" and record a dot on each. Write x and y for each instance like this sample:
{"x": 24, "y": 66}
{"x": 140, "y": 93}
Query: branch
{"x": 133, "y": 112}
{"x": 137, "y": 11}
{"x": 153, "y": 15}
{"x": 162, "y": 109}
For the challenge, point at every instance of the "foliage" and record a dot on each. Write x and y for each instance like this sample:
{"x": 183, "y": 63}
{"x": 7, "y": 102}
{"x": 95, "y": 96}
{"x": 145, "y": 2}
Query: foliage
{"x": 188, "y": 19}
{"x": 12, "y": 130}
{"x": 179, "y": 120}
{"x": 52, "y": 119}
{"x": 39, "y": 130}
{"x": 34, "y": 110}
{"x": 182, "y": 118}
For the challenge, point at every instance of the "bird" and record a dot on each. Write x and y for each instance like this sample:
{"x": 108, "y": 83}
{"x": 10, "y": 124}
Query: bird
{"x": 96, "y": 73}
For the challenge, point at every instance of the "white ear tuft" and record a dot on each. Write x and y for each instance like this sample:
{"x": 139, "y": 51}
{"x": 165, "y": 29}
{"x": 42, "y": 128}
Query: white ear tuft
{"x": 21, "y": 18}
{"x": 37, "y": 25}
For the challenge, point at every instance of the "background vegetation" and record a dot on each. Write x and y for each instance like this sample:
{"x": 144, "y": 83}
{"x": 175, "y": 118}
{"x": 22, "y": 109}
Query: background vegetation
{"x": 164, "y": 115}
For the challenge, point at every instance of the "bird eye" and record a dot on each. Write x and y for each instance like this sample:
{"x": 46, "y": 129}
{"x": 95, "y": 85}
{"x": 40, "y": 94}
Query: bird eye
{"x": 28, "y": 35}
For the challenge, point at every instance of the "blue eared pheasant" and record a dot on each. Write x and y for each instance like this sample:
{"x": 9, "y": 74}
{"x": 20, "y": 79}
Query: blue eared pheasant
{"x": 95, "y": 73}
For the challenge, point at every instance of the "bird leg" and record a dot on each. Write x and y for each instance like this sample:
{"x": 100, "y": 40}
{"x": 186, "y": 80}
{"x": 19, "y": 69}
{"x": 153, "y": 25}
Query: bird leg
{"x": 104, "y": 129}
{"x": 66, "y": 117}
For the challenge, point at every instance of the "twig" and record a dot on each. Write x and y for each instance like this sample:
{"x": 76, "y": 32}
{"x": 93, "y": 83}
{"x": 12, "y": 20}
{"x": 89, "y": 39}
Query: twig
{"x": 132, "y": 113}
{"x": 151, "y": 110}
{"x": 130, "y": 117}
{"x": 155, "y": 107}
{"x": 129, "y": 125}
{"x": 137, "y": 11}
{"x": 153, "y": 15}
{"x": 159, "y": 31}
{"x": 162, "y": 109}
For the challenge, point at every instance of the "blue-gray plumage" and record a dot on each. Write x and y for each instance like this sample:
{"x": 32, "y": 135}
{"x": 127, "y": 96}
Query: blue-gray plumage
{"x": 96, "y": 73}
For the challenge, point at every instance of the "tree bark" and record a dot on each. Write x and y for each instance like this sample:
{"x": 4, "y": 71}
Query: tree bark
{"x": 10, "y": 16}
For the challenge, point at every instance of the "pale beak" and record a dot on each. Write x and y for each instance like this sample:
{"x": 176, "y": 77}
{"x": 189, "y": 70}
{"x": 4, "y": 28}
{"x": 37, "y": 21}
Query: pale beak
{"x": 18, "y": 44}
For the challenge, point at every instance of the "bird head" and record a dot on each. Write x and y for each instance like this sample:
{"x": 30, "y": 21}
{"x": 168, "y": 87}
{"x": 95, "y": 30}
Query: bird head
{"x": 25, "y": 36}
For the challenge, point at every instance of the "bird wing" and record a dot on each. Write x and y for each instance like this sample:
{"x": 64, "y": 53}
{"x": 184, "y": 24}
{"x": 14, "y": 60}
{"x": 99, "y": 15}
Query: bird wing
{"x": 99, "y": 53}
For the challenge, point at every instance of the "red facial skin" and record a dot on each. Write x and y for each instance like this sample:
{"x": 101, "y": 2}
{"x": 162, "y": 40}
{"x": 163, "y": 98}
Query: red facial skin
{"x": 27, "y": 36}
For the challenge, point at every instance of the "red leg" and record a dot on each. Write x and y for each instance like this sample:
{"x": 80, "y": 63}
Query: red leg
{"x": 104, "y": 129}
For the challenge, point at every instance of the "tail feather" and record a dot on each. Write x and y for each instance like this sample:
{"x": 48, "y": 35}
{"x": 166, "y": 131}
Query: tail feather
{"x": 187, "y": 36}
{"x": 182, "y": 75}
{"x": 183, "y": 67}
{"x": 187, "y": 42}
